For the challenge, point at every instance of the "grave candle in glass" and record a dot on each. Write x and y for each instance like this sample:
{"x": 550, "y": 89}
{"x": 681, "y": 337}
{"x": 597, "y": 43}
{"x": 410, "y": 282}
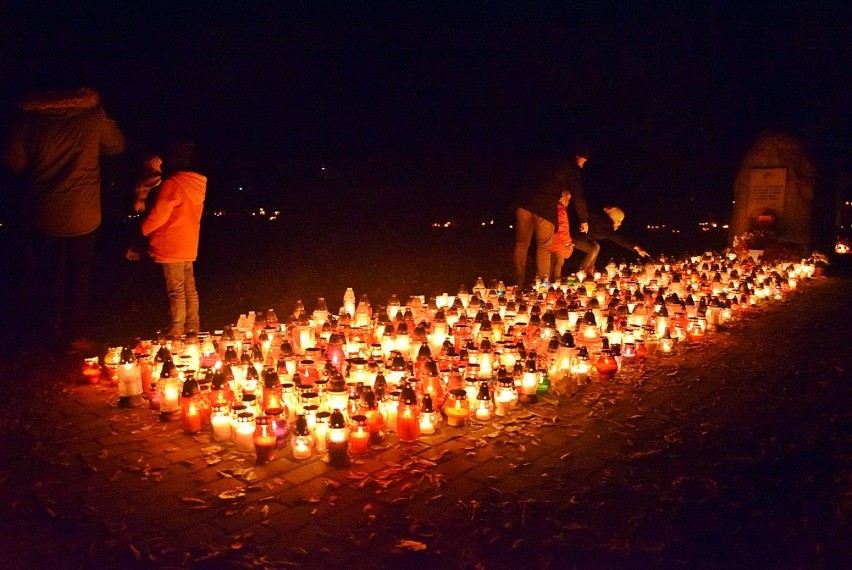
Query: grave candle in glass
{"x": 606, "y": 365}
{"x": 359, "y": 435}
{"x": 390, "y": 408}
{"x": 91, "y": 370}
{"x": 278, "y": 420}
{"x": 244, "y": 432}
{"x": 321, "y": 430}
{"x": 484, "y": 407}
{"x": 369, "y": 407}
{"x": 408, "y": 415}
{"x": 337, "y": 440}
{"x": 190, "y": 404}
{"x": 169, "y": 396}
{"x": 302, "y": 441}
{"x": 271, "y": 397}
{"x": 505, "y": 395}
{"x": 265, "y": 442}
{"x": 221, "y": 421}
{"x": 129, "y": 380}
{"x": 457, "y": 408}
{"x": 429, "y": 418}
{"x": 111, "y": 361}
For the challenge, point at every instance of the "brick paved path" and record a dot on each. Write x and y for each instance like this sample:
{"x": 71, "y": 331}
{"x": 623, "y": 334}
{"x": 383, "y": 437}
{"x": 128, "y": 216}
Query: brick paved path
{"x": 731, "y": 453}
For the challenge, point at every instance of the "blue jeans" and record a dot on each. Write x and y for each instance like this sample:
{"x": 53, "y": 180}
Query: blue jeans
{"x": 183, "y": 298}
{"x": 528, "y": 224}
{"x": 591, "y": 248}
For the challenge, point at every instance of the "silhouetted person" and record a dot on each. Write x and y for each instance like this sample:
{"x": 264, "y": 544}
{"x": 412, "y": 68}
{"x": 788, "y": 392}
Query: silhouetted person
{"x": 56, "y": 144}
{"x": 535, "y": 212}
{"x": 603, "y": 224}
{"x": 173, "y": 226}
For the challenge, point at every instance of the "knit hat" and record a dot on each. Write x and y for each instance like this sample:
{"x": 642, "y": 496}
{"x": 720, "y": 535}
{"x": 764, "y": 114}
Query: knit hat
{"x": 178, "y": 156}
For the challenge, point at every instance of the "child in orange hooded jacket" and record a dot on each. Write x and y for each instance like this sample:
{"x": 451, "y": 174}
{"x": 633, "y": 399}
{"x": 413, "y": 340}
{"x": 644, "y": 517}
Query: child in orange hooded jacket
{"x": 173, "y": 227}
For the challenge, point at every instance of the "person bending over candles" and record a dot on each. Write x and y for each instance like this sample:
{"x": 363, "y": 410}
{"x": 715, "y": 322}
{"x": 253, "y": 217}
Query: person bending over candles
{"x": 603, "y": 224}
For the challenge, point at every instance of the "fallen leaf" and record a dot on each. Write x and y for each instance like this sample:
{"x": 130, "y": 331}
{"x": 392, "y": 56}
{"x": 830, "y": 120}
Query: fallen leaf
{"x": 411, "y": 545}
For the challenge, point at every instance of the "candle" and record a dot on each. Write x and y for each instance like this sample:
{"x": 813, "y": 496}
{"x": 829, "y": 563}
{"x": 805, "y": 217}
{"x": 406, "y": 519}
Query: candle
{"x": 171, "y": 396}
{"x": 244, "y": 433}
{"x": 427, "y": 423}
{"x": 221, "y": 423}
{"x": 408, "y": 424}
{"x": 91, "y": 370}
{"x": 321, "y": 431}
{"x": 264, "y": 440}
{"x": 483, "y": 413}
{"x": 359, "y": 436}
{"x": 301, "y": 447}
{"x": 192, "y": 418}
{"x": 391, "y": 411}
{"x": 457, "y": 407}
{"x": 302, "y": 440}
{"x": 337, "y": 442}
{"x": 456, "y": 416}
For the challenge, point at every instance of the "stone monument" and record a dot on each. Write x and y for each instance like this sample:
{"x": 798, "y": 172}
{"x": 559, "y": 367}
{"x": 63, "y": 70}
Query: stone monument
{"x": 774, "y": 190}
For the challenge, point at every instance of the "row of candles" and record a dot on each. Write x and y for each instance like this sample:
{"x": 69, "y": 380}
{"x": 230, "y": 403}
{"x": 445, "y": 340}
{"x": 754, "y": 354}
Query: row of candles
{"x": 332, "y": 385}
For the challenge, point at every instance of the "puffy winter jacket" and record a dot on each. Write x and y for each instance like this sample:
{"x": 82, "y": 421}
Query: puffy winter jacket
{"x": 57, "y": 143}
{"x": 174, "y": 223}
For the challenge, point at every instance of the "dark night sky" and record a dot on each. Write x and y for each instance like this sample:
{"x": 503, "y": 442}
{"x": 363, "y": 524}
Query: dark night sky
{"x": 417, "y": 104}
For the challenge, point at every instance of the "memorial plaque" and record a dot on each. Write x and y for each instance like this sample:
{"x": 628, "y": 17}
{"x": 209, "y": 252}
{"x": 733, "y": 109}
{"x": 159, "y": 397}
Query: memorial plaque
{"x": 767, "y": 189}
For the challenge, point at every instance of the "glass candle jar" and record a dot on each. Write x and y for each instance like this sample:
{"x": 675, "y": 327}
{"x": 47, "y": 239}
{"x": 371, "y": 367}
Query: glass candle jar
{"x": 244, "y": 432}
{"x": 302, "y": 442}
{"x": 429, "y": 418}
{"x": 606, "y": 365}
{"x": 265, "y": 441}
{"x": 221, "y": 422}
{"x": 321, "y": 430}
{"x": 359, "y": 435}
{"x": 408, "y": 415}
{"x": 337, "y": 440}
{"x": 483, "y": 406}
{"x": 91, "y": 370}
{"x": 457, "y": 408}
{"x": 278, "y": 420}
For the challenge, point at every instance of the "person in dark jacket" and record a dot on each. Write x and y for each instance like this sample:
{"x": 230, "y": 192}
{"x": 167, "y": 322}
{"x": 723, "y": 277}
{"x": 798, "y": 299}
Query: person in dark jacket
{"x": 603, "y": 225}
{"x": 56, "y": 144}
{"x": 536, "y": 210}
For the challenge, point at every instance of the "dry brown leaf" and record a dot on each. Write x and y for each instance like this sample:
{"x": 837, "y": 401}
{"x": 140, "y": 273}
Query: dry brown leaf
{"x": 193, "y": 501}
{"x": 411, "y": 545}
{"x": 232, "y": 494}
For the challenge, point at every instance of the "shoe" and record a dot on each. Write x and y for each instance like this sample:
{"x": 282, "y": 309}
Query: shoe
{"x": 174, "y": 332}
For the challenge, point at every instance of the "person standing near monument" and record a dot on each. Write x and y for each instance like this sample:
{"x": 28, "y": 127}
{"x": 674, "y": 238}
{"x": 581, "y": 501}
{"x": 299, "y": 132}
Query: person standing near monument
{"x": 174, "y": 226}
{"x": 536, "y": 210}
{"x": 56, "y": 144}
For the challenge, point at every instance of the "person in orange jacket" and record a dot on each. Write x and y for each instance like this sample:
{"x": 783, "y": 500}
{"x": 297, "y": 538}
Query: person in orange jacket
{"x": 173, "y": 227}
{"x": 562, "y": 245}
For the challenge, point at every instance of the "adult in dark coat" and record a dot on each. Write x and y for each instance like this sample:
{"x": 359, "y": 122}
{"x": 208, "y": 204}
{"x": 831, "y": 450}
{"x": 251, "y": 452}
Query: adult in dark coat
{"x": 56, "y": 145}
{"x": 603, "y": 224}
{"x": 536, "y": 214}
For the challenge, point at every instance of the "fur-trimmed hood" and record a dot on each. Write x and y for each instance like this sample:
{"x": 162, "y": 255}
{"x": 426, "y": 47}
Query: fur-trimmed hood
{"x": 62, "y": 100}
